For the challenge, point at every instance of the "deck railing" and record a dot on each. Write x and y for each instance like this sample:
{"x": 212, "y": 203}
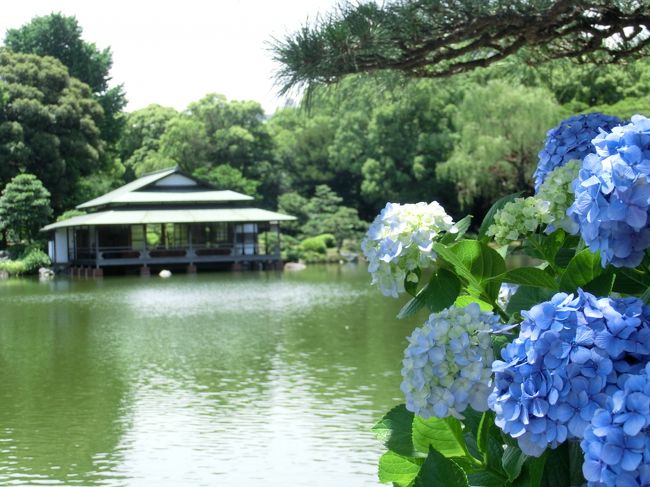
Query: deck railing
{"x": 190, "y": 253}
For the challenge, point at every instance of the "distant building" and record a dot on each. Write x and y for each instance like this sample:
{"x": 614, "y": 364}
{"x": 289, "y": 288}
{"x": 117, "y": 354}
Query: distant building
{"x": 166, "y": 218}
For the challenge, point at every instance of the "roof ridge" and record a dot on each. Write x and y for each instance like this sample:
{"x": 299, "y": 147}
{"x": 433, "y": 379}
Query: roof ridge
{"x": 151, "y": 173}
{"x": 134, "y": 185}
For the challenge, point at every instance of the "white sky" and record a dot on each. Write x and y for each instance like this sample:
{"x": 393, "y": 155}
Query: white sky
{"x": 175, "y": 52}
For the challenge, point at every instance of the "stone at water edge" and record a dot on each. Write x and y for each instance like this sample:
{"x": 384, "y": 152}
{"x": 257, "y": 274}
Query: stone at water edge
{"x": 165, "y": 274}
{"x": 45, "y": 273}
{"x": 294, "y": 266}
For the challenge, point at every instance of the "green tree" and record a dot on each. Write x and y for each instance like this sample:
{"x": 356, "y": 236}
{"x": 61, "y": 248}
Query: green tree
{"x": 344, "y": 224}
{"x": 301, "y": 147}
{"x": 48, "y": 125}
{"x": 294, "y": 204}
{"x": 24, "y": 208}
{"x": 501, "y": 127}
{"x": 227, "y": 177}
{"x": 59, "y": 36}
{"x": 236, "y": 134}
{"x": 140, "y": 140}
{"x": 324, "y": 202}
{"x": 100, "y": 182}
{"x": 185, "y": 143}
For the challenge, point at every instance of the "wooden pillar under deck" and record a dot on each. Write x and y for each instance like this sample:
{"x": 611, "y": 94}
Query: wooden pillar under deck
{"x": 191, "y": 269}
{"x": 145, "y": 271}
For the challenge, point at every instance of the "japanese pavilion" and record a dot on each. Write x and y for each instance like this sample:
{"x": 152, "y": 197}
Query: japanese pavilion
{"x": 166, "y": 218}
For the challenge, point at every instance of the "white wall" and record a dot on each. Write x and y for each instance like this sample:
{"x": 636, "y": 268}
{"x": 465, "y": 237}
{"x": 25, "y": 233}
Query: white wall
{"x": 60, "y": 247}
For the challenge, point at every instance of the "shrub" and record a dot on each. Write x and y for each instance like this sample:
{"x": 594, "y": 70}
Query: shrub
{"x": 35, "y": 259}
{"x": 314, "y": 244}
{"x": 13, "y": 267}
{"x": 328, "y": 239}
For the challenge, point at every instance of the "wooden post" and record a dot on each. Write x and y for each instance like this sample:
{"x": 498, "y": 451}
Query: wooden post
{"x": 144, "y": 243}
{"x": 74, "y": 242}
{"x": 189, "y": 241}
{"x": 96, "y": 248}
{"x": 278, "y": 254}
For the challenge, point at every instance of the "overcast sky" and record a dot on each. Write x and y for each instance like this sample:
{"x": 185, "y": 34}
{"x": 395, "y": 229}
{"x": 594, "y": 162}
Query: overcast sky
{"x": 174, "y": 52}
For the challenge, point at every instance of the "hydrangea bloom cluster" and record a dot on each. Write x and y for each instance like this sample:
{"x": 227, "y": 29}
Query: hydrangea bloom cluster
{"x": 447, "y": 364}
{"x": 400, "y": 240}
{"x": 547, "y": 207}
{"x": 518, "y": 218}
{"x": 616, "y": 444}
{"x": 566, "y": 361}
{"x": 557, "y": 190}
{"x": 570, "y": 140}
{"x": 612, "y": 194}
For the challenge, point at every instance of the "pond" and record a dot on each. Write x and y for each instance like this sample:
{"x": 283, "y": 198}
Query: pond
{"x": 214, "y": 379}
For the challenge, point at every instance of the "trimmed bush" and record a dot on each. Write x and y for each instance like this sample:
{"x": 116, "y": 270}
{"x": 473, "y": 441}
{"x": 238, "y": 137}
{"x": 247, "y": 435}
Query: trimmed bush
{"x": 35, "y": 259}
{"x": 314, "y": 244}
{"x": 328, "y": 239}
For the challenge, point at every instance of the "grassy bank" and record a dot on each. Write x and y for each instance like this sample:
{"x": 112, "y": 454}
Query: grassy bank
{"x": 29, "y": 262}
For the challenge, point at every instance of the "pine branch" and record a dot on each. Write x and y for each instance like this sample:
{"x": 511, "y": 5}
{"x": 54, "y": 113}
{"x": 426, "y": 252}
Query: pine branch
{"x": 438, "y": 38}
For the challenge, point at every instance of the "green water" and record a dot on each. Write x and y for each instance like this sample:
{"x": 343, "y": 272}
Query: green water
{"x": 221, "y": 379}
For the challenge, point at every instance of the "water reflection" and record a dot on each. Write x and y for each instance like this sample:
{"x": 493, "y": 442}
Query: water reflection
{"x": 222, "y": 379}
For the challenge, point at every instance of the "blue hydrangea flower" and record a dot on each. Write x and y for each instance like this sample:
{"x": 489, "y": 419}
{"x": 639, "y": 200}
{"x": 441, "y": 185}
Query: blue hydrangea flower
{"x": 612, "y": 194}
{"x": 570, "y": 140}
{"x": 447, "y": 364}
{"x": 616, "y": 443}
{"x": 564, "y": 364}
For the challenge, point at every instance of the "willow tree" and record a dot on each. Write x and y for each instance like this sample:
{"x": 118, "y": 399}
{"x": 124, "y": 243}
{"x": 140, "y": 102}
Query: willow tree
{"x": 436, "y": 38}
{"x": 499, "y": 127}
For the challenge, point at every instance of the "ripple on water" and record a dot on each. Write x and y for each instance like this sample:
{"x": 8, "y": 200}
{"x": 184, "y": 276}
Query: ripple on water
{"x": 251, "y": 382}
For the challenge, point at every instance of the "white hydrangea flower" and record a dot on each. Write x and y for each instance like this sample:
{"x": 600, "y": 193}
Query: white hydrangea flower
{"x": 548, "y": 207}
{"x": 448, "y": 363}
{"x": 506, "y": 292}
{"x": 400, "y": 240}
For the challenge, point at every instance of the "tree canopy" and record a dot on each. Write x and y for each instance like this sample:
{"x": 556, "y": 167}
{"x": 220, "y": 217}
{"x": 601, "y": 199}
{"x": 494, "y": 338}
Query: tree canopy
{"x": 48, "y": 125}
{"x": 434, "y": 38}
{"x": 59, "y": 36}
